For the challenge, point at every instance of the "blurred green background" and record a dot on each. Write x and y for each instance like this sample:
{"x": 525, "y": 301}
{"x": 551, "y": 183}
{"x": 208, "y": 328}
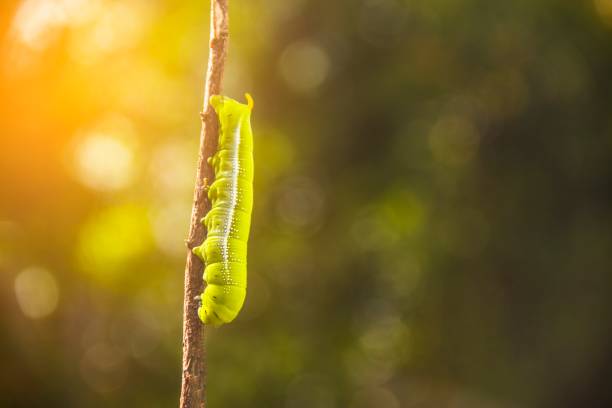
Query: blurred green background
{"x": 432, "y": 226}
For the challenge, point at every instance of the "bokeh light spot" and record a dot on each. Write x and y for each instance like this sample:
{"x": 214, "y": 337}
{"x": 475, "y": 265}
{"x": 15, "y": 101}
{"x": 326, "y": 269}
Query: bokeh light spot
{"x": 404, "y": 210}
{"x": 364, "y": 370}
{"x": 104, "y": 162}
{"x": 172, "y": 168}
{"x": 304, "y": 66}
{"x": 301, "y": 203}
{"x": 454, "y": 140}
{"x": 116, "y": 26}
{"x": 137, "y": 332}
{"x": 37, "y": 292}
{"x": 372, "y": 230}
{"x": 387, "y": 337}
{"x": 103, "y": 367}
{"x": 36, "y": 22}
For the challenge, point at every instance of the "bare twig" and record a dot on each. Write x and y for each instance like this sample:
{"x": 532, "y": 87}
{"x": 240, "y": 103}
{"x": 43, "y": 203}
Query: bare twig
{"x": 193, "y": 389}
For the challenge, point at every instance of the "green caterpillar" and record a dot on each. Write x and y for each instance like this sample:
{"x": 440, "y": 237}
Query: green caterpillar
{"x": 228, "y": 222}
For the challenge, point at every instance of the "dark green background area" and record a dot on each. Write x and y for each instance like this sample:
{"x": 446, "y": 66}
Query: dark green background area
{"x": 432, "y": 223}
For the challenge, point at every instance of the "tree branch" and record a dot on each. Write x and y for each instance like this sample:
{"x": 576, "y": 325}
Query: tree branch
{"x": 193, "y": 388}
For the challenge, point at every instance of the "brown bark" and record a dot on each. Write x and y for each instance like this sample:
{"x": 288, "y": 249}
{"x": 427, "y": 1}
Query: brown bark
{"x": 193, "y": 388}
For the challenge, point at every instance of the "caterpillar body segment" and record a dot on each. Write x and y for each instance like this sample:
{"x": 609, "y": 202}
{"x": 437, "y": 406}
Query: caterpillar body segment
{"x": 223, "y": 164}
{"x": 236, "y": 191}
{"x": 216, "y": 227}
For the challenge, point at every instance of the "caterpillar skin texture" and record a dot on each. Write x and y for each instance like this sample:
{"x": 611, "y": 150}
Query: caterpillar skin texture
{"x": 224, "y": 251}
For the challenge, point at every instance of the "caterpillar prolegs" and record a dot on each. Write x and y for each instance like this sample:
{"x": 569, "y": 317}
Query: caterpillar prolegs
{"x": 224, "y": 252}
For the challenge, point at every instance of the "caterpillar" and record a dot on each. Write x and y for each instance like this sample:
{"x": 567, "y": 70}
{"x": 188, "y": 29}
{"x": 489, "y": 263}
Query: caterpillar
{"x": 224, "y": 251}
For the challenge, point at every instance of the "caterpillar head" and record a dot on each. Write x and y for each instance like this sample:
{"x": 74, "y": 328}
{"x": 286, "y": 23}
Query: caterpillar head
{"x": 226, "y": 105}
